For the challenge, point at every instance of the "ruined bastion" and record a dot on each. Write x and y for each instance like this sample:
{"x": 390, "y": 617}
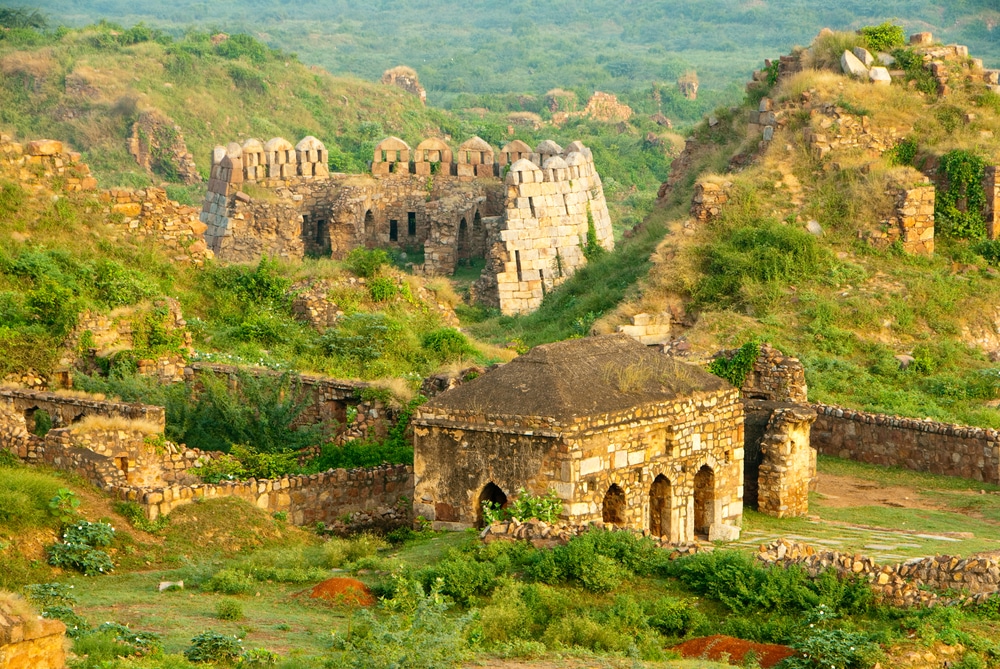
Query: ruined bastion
{"x": 525, "y": 212}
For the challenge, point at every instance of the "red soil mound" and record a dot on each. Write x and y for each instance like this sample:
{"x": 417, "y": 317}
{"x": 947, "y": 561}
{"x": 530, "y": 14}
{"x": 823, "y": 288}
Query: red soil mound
{"x": 713, "y": 647}
{"x": 343, "y": 591}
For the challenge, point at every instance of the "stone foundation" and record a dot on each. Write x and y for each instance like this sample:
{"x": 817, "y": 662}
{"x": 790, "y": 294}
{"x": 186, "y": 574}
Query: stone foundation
{"x": 788, "y": 464}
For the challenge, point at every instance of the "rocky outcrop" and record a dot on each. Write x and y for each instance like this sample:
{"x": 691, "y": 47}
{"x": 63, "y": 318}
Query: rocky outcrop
{"x": 407, "y": 79}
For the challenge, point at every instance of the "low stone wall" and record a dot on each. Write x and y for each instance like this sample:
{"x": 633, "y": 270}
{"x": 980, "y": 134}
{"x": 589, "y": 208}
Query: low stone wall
{"x": 901, "y": 584}
{"x": 326, "y": 497}
{"x": 708, "y": 199}
{"x": 31, "y": 644}
{"x": 547, "y": 535}
{"x": 775, "y": 376}
{"x": 921, "y": 445}
{"x": 44, "y": 161}
{"x": 65, "y": 410}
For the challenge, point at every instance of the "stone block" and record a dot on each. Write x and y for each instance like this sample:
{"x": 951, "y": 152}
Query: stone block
{"x": 44, "y": 147}
{"x": 864, "y": 56}
{"x": 921, "y": 39}
{"x": 723, "y": 532}
{"x": 851, "y": 65}
{"x": 880, "y": 76}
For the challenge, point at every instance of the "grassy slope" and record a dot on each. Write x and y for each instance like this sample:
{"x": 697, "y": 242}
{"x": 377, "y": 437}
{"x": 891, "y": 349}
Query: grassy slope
{"x": 849, "y": 309}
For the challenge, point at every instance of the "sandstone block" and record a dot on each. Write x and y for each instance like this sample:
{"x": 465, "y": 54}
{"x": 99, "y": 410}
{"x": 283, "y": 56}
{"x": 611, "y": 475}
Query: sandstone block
{"x": 852, "y": 65}
{"x": 864, "y": 56}
{"x": 880, "y": 76}
{"x": 44, "y": 147}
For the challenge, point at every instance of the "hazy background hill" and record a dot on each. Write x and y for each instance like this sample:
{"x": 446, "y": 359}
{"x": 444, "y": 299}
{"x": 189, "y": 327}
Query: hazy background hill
{"x": 528, "y": 46}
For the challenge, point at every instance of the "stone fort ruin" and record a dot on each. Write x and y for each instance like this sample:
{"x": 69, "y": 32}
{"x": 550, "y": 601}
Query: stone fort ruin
{"x": 525, "y": 212}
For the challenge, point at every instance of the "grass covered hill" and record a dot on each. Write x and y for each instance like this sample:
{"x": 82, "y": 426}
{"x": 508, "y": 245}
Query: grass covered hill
{"x": 526, "y": 47}
{"x": 847, "y": 308}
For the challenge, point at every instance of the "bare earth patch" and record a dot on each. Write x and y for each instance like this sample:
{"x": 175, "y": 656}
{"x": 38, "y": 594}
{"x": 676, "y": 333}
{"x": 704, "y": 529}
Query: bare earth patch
{"x": 849, "y": 491}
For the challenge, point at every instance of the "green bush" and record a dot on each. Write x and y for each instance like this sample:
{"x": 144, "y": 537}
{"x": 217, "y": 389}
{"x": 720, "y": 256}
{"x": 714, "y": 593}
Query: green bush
{"x": 674, "y": 617}
{"x": 98, "y": 535}
{"x": 884, "y": 37}
{"x": 421, "y": 637}
{"x": 362, "y": 337}
{"x": 448, "y": 344}
{"x": 462, "y": 579}
{"x": 366, "y": 262}
{"x": 958, "y": 209}
{"x": 90, "y": 561}
{"x": 737, "y": 368}
{"x": 834, "y": 649}
{"x": 903, "y": 153}
{"x": 46, "y": 595}
{"x": 231, "y": 582}
{"x": 229, "y": 609}
{"x": 382, "y": 289}
{"x": 214, "y": 647}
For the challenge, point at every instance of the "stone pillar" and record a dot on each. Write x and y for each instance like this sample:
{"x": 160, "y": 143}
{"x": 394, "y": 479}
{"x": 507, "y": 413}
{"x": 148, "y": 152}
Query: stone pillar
{"x": 787, "y": 466}
{"x": 913, "y": 221}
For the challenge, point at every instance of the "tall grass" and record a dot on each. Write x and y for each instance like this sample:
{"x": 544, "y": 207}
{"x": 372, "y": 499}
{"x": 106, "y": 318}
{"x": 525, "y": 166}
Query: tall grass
{"x": 24, "y": 499}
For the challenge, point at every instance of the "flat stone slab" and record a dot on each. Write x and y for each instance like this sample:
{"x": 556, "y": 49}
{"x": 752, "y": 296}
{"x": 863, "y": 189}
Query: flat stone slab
{"x": 880, "y": 76}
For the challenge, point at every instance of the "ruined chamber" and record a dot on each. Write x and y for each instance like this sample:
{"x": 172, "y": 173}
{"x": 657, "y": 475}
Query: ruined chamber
{"x": 622, "y": 434}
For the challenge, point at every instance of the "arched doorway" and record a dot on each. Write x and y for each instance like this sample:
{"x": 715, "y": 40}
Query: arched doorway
{"x": 368, "y": 228}
{"x": 704, "y": 500}
{"x": 463, "y": 250}
{"x": 660, "y": 503}
{"x": 613, "y": 509}
{"x": 494, "y": 495}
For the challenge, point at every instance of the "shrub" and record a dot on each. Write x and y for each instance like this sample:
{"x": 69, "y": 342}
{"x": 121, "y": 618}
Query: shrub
{"x": 98, "y": 535}
{"x": 83, "y": 558}
{"x": 214, "y": 647}
{"x": 366, "y": 262}
{"x": 958, "y": 209}
{"x": 424, "y": 638}
{"x": 362, "y": 337}
{"x": 46, "y": 595}
{"x": 448, "y": 344}
{"x": 461, "y": 578}
{"x": 883, "y": 37}
{"x": 136, "y": 517}
{"x": 903, "y": 153}
{"x": 138, "y": 643}
{"x": 382, "y": 289}
{"x": 229, "y": 609}
{"x": 545, "y": 507}
{"x": 231, "y": 582}
{"x": 834, "y": 649}
{"x": 674, "y": 617}
{"x": 223, "y": 468}
{"x": 737, "y": 368}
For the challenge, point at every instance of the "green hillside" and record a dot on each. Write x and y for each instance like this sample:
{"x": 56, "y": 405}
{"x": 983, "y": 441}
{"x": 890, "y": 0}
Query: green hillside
{"x": 530, "y": 47}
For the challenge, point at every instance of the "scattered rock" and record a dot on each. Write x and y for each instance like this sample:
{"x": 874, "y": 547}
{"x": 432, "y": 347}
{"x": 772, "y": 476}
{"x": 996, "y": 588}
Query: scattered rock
{"x": 44, "y": 147}
{"x": 905, "y": 361}
{"x": 864, "y": 56}
{"x": 723, "y": 532}
{"x": 880, "y": 76}
{"x": 814, "y": 228}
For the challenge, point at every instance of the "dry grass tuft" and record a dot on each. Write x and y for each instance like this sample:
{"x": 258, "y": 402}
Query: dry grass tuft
{"x": 402, "y": 391}
{"x": 443, "y": 291}
{"x": 79, "y": 394}
{"x": 15, "y": 606}
{"x": 94, "y": 423}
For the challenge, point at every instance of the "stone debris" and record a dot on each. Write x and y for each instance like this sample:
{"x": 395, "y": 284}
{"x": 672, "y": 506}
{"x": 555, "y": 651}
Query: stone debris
{"x": 708, "y": 199}
{"x": 156, "y": 142}
{"x": 903, "y": 584}
{"x": 648, "y": 329}
{"x": 852, "y": 65}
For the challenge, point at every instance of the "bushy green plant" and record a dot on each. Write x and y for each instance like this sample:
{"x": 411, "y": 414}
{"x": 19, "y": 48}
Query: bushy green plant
{"x": 903, "y": 153}
{"x": 525, "y": 505}
{"x": 76, "y": 625}
{"x": 98, "y": 535}
{"x": 45, "y": 595}
{"x": 834, "y": 649}
{"x": 674, "y": 617}
{"x": 136, "y": 517}
{"x": 382, "y": 289}
{"x": 212, "y": 646}
{"x": 958, "y": 209}
{"x": 223, "y": 468}
{"x": 231, "y": 582}
{"x": 884, "y": 37}
{"x": 366, "y": 262}
{"x": 448, "y": 344}
{"x": 738, "y": 367}
{"x": 138, "y": 643}
{"x": 90, "y": 561}
{"x": 423, "y": 637}
{"x": 228, "y": 609}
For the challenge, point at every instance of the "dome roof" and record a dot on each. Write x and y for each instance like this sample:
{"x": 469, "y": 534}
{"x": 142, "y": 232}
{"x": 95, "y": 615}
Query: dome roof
{"x": 555, "y": 163}
{"x": 310, "y": 143}
{"x": 475, "y": 144}
{"x": 548, "y": 147}
{"x": 392, "y": 144}
{"x": 517, "y": 146}
{"x": 523, "y": 165}
{"x": 278, "y": 144}
{"x": 252, "y": 146}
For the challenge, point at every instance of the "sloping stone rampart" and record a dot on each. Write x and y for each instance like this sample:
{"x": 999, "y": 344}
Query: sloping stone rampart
{"x": 921, "y": 445}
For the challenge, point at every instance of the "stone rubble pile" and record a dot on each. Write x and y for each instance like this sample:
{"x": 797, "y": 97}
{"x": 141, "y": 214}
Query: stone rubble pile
{"x": 41, "y": 160}
{"x": 547, "y": 535}
{"x": 902, "y": 584}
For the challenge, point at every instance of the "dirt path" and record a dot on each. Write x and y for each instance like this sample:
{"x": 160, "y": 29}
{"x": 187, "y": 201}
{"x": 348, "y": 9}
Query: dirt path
{"x": 850, "y": 491}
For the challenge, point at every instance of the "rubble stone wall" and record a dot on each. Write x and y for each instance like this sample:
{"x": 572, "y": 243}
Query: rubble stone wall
{"x": 65, "y": 410}
{"x": 777, "y": 377}
{"x": 148, "y": 213}
{"x": 921, "y": 445}
{"x": 43, "y": 161}
{"x": 788, "y": 463}
{"x": 326, "y": 497}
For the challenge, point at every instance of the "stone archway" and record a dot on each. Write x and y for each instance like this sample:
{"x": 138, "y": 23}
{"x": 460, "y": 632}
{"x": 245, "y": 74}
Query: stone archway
{"x": 704, "y": 500}
{"x": 492, "y": 493}
{"x": 660, "y": 505}
{"x": 613, "y": 508}
{"x": 368, "y": 234}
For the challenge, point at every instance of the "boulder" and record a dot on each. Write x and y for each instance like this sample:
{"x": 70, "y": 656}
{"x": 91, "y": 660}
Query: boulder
{"x": 921, "y": 39}
{"x": 850, "y": 64}
{"x": 864, "y": 56}
{"x": 723, "y": 532}
{"x": 44, "y": 147}
{"x": 814, "y": 228}
{"x": 880, "y": 76}
{"x": 905, "y": 361}
{"x": 886, "y": 59}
